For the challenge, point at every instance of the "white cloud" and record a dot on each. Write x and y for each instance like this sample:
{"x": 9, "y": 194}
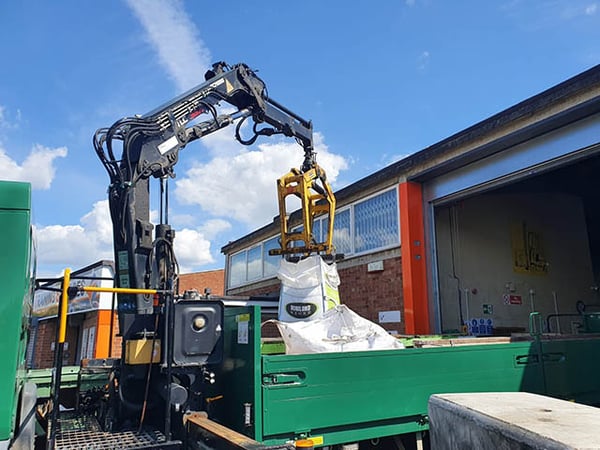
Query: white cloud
{"x": 243, "y": 186}
{"x": 192, "y": 250}
{"x": 7, "y": 122}
{"x": 212, "y": 228}
{"x": 423, "y": 60}
{"x": 98, "y": 222}
{"x": 91, "y": 240}
{"x": 77, "y": 245}
{"x": 175, "y": 38}
{"x": 38, "y": 168}
{"x": 571, "y": 11}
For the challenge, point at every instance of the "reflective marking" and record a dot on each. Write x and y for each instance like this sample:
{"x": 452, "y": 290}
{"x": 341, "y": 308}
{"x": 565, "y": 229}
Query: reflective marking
{"x": 169, "y": 144}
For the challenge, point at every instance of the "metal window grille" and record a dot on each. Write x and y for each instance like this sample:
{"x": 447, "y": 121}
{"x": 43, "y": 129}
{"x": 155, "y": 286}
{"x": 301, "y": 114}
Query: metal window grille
{"x": 376, "y": 222}
{"x": 342, "y": 232}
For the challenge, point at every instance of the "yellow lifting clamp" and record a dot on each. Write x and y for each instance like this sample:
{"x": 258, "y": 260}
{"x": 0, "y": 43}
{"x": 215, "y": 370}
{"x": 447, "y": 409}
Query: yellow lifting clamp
{"x": 316, "y": 198}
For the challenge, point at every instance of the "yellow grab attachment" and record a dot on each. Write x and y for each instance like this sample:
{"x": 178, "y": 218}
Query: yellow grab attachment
{"x": 316, "y": 198}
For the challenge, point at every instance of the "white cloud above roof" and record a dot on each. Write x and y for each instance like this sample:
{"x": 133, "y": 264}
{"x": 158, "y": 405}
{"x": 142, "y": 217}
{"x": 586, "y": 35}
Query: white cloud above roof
{"x": 38, "y": 168}
{"x": 176, "y": 40}
{"x": 91, "y": 239}
{"x": 243, "y": 186}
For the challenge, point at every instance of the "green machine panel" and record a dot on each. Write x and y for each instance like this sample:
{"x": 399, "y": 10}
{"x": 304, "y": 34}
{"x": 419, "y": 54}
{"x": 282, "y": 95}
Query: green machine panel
{"x": 370, "y": 390}
{"x": 348, "y": 397}
{"x": 571, "y": 368}
{"x": 235, "y": 399}
{"x": 15, "y": 300}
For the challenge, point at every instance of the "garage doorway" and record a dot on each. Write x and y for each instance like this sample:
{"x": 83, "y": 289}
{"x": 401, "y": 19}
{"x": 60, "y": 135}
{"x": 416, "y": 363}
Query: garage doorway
{"x": 528, "y": 245}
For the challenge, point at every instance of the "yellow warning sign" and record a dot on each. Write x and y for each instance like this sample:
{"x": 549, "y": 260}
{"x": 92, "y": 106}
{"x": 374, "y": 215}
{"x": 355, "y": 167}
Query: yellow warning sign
{"x": 228, "y": 86}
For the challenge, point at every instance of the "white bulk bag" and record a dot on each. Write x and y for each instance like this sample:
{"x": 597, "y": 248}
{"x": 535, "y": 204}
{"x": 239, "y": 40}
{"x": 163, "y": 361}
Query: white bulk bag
{"x": 309, "y": 287}
{"x": 339, "y": 330}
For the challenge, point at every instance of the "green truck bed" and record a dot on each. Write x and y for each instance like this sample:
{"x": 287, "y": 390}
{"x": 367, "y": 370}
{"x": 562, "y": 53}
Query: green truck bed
{"x": 347, "y": 397}
{"x": 72, "y": 380}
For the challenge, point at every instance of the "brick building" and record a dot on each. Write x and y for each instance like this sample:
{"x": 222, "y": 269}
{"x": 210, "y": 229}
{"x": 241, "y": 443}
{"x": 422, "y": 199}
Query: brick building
{"x": 213, "y": 280}
{"x": 91, "y": 326}
{"x": 471, "y": 233}
{"x": 92, "y": 329}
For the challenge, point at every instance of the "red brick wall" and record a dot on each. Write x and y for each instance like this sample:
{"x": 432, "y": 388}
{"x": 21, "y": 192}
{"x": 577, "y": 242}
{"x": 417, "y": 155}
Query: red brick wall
{"x": 43, "y": 356}
{"x": 213, "y": 279}
{"x": 117, "y": 342}
{"x": 366, "y": 293}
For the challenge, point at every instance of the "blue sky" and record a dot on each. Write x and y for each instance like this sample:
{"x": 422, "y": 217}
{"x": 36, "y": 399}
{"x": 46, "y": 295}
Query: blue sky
{"x": 380, "y": 80}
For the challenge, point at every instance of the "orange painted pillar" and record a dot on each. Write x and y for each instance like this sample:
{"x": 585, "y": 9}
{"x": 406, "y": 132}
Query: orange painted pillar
{"x": 414, "y": 262}
{"x": 103, "y": 334}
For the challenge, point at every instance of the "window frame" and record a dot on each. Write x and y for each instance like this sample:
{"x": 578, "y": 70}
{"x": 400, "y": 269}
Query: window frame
{"x": 323, "y": 229}
{"x": 365, "y": 199}
{"x": 261, "y": 256}
{"x": 230, "y": 266}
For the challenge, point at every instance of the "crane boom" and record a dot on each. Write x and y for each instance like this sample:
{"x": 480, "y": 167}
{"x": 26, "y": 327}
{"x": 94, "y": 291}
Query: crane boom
{"x": 187, "y": 333}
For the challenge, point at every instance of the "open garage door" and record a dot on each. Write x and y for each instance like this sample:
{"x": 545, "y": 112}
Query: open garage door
{"x": 532, "y": 245}
{"x": 511, "y": 238}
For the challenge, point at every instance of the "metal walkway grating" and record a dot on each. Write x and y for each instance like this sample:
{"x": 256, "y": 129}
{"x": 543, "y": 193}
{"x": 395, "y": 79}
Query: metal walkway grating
{"x": 84, "y": 433}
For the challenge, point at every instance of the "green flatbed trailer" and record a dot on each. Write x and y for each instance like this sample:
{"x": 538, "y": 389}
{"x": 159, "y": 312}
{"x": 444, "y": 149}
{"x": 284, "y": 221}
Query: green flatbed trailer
{"x": 378, "y": 398}
{"x": 338, "y": 398}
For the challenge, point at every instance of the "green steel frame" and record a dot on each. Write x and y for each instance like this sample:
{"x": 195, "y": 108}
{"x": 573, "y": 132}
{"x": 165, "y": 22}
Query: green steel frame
{"x": 71, "y": 379}
{"x": 347, "y": 397}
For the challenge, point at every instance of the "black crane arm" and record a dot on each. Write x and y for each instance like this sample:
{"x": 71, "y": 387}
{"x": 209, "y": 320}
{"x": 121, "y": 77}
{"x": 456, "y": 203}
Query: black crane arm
{"x": 187, "y": 333}
{"x": 150, "y": 149}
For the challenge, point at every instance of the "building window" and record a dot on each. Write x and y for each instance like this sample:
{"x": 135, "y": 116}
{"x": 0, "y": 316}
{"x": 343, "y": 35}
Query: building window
{"x": 317, "y": 233}
{"x": 237, "y": 269}
{"x": 376, "y": 222}
{"x": 342, "y": 232}
{"x": 365, "y": 226}
{"x": 368, "y": 225}
{"x": 270, "y": 263}
{"x": 255, "y": 262}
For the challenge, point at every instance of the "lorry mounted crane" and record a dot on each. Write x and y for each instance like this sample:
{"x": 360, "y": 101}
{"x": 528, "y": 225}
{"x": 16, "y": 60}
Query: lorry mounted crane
{"x": 185, "y": 335}
{"x": 169, "y": 390}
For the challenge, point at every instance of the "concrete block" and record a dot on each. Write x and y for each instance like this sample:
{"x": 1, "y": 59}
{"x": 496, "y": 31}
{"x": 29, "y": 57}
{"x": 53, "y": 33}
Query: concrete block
{"x": 511, "y": 421}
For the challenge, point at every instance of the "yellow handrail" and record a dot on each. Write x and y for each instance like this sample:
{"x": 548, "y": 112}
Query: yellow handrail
{"x": 66, "y": 290}
{"x": 62, "y": 326}
{"x": 118, "y": 290}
